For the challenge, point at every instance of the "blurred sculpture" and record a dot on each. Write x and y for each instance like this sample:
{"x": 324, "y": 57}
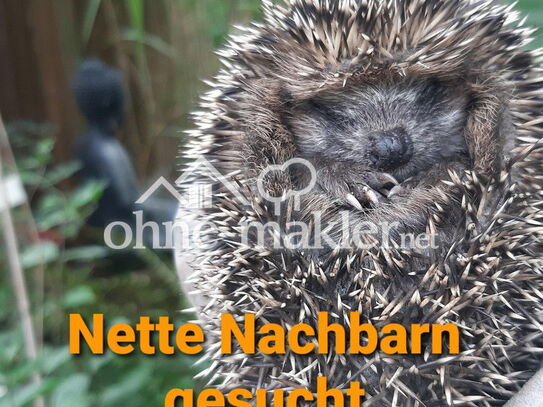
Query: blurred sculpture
{"x": 98, "y": 90}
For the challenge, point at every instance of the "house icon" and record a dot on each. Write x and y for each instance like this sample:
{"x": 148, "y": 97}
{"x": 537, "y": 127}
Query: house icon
{"x": 197, "y": 195}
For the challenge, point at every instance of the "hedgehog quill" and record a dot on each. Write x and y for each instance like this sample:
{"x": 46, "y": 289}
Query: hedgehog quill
{"x": 423, "y": 114}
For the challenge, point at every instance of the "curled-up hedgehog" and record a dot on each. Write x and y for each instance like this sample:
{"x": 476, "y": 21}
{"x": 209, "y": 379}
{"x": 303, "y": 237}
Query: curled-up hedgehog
{"x": 421, "y": 114}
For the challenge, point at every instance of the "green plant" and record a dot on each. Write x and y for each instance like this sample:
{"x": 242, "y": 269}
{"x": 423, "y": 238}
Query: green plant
{"x": 85, "y": 278}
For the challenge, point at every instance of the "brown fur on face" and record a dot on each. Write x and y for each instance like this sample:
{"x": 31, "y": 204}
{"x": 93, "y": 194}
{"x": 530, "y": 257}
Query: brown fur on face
{"x": 266, "y": 111}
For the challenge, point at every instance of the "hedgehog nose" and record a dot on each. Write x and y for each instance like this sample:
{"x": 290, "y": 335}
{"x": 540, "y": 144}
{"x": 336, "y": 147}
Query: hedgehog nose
{"x": 391, "y": 148}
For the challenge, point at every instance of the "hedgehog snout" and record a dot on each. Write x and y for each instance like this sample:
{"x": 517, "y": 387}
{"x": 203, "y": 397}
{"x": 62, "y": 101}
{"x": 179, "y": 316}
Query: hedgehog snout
{"x": 390, "y": 149}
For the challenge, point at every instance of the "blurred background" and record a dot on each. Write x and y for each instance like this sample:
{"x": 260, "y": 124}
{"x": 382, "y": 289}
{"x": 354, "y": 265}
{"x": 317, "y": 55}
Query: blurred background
{"x": 52, "y": 258}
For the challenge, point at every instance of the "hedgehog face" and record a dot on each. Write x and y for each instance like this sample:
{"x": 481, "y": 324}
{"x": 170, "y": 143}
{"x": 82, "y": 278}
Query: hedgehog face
{"x": 400, "y": 127}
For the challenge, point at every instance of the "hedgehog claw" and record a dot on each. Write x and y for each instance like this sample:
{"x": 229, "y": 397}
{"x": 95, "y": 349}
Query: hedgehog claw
{"x": 381, "y": 184}
{"x": 390, "y": 179}
{"x": 354, "y": 202}
{"x": 370, "y": 195}
{"x": 395, "y": 191}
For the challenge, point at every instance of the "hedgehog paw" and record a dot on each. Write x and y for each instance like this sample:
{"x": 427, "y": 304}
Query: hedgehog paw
{"x": 374, "y": 190}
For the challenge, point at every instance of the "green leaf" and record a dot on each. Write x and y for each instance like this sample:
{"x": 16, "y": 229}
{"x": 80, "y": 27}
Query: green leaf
{"x": 136, "y": 13}
{"x": 22, "y": 395}
{"x": 87, "y": 194}
{"x": 71, "y": 230}
{"x": 62, "y": 172}
{"x": 5, "y": 299}
{"x": 31, "y": 178}
{"x": 78, "y": 297}
{"x": 23, "y": 371}
{"x": 68, "y": 212}
{"x": 125, "y": 389}
{"x": 52, "y": 359}
{"x": 90, "y": 19}
{"x": 99, "y": 361}
{"x": 85, "y": 253}
{"x": 41, "y": 253}
{"x": 38, "y": 158}
{"x": 150, "y": 40}
{"x": 10, "y": 346}
{"x": 72, "y": 392}
{"x": 50, "y": 210}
